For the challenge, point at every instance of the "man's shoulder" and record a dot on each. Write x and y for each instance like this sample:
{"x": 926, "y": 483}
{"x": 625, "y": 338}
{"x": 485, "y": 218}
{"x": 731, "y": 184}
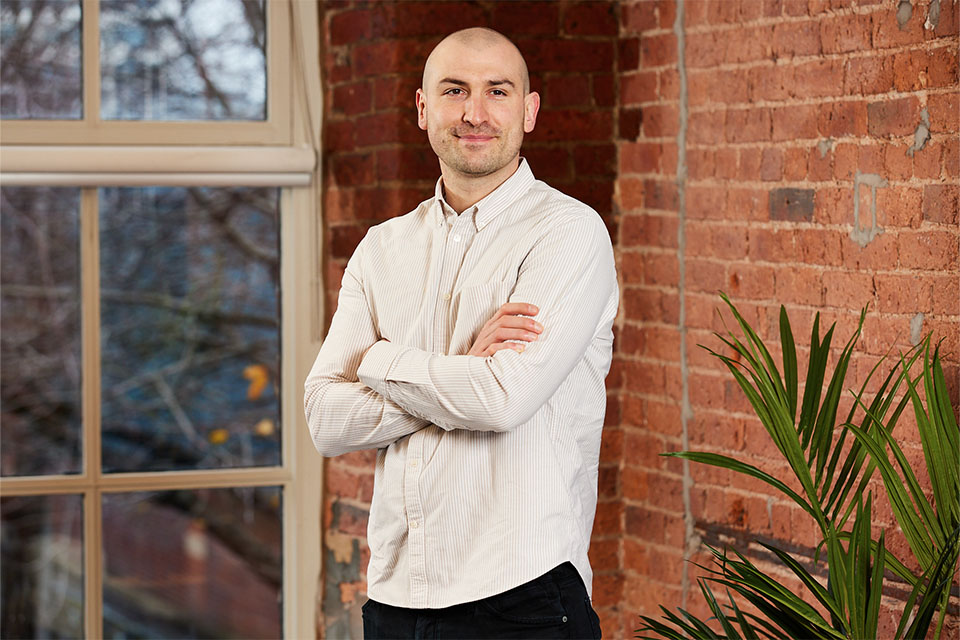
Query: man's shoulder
{"x": 557, "y": 210}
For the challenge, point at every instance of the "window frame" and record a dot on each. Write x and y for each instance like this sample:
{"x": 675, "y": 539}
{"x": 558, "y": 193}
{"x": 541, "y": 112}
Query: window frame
{"x": 282, "y": 152}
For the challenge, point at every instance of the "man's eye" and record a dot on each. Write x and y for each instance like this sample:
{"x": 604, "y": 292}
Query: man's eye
{"x": 454, "y": 92}
{"x": 499, "y": 92}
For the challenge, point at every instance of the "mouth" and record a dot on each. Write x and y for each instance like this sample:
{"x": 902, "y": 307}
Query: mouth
{"x": 475, "y": 138}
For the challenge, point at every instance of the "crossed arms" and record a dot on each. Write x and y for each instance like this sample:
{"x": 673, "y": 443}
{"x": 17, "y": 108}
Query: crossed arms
{"x": 364, "y": 392}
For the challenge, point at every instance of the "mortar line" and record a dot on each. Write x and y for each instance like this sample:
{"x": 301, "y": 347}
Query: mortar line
{"x": 689, "y": 538}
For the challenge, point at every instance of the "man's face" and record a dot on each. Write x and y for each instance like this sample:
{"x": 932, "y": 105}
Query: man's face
{"x": 474, "y": 107}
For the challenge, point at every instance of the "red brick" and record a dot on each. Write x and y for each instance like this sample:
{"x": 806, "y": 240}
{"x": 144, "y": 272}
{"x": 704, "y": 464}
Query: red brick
{"x": 604, "y": 89}
{"x": 703, "y": 50}
{"x": 657, "y": 51}
{"x": 379, "y": 203}
{"x": 722, "y": 12}
{"x": 888, "y": 33}
{"x": 771, "y": 245}
{"x": 637, "y": 17}
{"x": 338, "y": 136}
{"x": 705, "y": 202}
{"x": 934, "y": 250}
{"x": 661, "y": 270}
{"x": 386, "y": 128}
{"x": 747, "y": 125}
{"x": 844, "y": 34}
{"x": 704, "y": 275}
{"x": 747, "y": 44}
{"x": 800, "y": 285}
{"x": 915, "y": 70}
{"x": 768, "y": 83}
{"x": 640, "y": 157}
{"x": 431, "y": 19}
{"x": 666, "y": 13}
{"x": 940, "y": 203}
{"x": 838, "y": 119}
{"x": 902, "y": 294}
{"x": 868, "y": 75}
{"x": 628, "y": 126}
{"x": 944, "y": 110}
{"x": 795, "y": 122}
{"x": 591, "y": 19}
{"x": 896, "y": 206}
{"x": 566, "y": 90}
{"x": 771, "y": 165}
{"x": 374, "y": 58}
{"x": 660, "y": 121}
{"x": 794, "y": 164}
{"x": 705, "y": 127}
{"x": 796, "y": 39}
{"x": 352, "y": 99}
{"x": 396, "y": 91}
{"x": 569, "y": 124}
{"x": 595, "y": 160}
{"x": 660, "y": 194}
{"x": 819, "y": 246}
{"x": 747, "y": 204}
{"x": 549, "y": 163}
{"x": 846, "y": 290}
{"x": 411, "y": 163}
{"x": 818, "y": 78}
{"x": 568, "y": 55}
{"x": 893, "y": 117}
{"x": 951, "y": 157}
{"x": 638, "y": 87}
{"x": 353, "y": 169}
{"x": 537, "y": 18}
{"x": 349, "y": 27}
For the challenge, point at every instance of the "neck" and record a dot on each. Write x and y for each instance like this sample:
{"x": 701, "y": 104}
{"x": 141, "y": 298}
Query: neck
{"x": 463, "y": 191}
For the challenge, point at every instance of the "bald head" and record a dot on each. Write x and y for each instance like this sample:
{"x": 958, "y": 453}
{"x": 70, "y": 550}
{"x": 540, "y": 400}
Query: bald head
{"x": 478, "y": 40}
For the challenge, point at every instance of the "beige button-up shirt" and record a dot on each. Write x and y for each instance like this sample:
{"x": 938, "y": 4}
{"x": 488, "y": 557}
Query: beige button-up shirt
{"x": 486, "y": 472}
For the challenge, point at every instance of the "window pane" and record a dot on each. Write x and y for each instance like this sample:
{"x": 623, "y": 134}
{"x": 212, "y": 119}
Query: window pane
{"x": 193, "y": 564}
{"x": 40, "y": 74}
{"x": 42, "y": 557}
{"x": 190, "y": 328}
{"x": 40, "y": 419}
{"x": 183, "y": 60}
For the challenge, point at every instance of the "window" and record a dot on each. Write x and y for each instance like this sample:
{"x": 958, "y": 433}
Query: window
{"x": 160, "y": 303}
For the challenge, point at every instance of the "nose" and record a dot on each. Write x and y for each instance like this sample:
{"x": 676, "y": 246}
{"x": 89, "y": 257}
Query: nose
{"x": 474, "y": 110}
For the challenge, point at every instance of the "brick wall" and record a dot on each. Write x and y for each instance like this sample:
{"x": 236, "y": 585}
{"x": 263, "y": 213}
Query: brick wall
{"x": 378, "y": 164}
{"x": 783, "y": 122}
{"x": 739, "y": 166}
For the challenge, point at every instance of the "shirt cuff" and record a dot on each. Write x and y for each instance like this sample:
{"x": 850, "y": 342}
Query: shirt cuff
{"x": 389, "y": 362}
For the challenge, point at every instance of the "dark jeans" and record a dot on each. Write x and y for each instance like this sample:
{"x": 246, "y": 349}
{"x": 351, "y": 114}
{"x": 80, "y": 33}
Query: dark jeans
{"x": 555, "y": 605}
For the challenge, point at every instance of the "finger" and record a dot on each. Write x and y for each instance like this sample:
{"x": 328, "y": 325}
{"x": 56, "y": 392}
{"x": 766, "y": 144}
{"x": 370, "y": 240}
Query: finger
{"x": 517, "y": 309}
{"x": 500, "y": 346}
{"x": 517, "y": 322}
{"x": 504, "y": 333}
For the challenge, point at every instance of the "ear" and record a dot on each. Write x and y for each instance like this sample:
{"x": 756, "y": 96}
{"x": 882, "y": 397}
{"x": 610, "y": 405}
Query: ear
{"x": 421, "y": 110}
{"x": 531, "y": 106}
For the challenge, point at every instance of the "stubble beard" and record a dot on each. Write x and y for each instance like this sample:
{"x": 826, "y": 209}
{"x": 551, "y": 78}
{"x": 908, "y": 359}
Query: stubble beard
{"x": 446, "y": 144}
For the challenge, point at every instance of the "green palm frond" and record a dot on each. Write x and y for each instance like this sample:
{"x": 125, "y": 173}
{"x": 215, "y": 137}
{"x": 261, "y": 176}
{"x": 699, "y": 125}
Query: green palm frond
{"x": 834, "y": 475}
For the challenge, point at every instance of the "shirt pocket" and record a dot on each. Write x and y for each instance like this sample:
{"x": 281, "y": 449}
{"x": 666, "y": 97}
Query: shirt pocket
{"x": 473, "y": 307}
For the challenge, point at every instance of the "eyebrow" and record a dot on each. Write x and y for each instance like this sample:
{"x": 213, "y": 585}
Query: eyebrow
{"x": 490, "y": 83}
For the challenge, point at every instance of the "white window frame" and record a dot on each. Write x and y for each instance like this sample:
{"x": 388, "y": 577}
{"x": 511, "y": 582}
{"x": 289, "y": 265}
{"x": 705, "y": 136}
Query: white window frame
{"x": 283, "y": 152}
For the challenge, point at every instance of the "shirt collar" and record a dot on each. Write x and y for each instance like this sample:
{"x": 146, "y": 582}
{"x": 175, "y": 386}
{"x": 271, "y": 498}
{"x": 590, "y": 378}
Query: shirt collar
{"x": 493, "y": 203}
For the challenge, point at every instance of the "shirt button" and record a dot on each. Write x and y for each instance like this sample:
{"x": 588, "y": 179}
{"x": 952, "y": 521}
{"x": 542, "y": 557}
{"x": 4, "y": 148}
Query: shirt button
{"x": 414, "y": 524}
{"x": 413, "y": 464}
{"x": 446, "y": 296}
{"x": 456, "y": 238}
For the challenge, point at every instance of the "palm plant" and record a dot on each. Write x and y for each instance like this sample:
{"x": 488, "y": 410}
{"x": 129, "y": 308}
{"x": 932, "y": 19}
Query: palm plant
{"x": 833, "y": 476}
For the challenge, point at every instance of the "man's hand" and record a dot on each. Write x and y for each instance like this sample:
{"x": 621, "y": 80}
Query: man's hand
{"x": 508, "y": 323}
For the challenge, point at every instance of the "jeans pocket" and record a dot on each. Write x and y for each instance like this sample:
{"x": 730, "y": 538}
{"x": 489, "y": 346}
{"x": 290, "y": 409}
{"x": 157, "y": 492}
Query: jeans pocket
{"x": 534, "y": 603}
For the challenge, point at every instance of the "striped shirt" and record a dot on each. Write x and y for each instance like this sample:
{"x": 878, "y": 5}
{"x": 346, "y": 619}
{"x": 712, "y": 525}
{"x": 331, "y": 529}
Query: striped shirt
{"x": 486, "y": 473}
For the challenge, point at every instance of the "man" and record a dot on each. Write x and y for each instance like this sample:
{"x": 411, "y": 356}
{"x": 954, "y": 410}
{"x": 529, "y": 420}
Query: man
{"x": 470, "y": 346}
